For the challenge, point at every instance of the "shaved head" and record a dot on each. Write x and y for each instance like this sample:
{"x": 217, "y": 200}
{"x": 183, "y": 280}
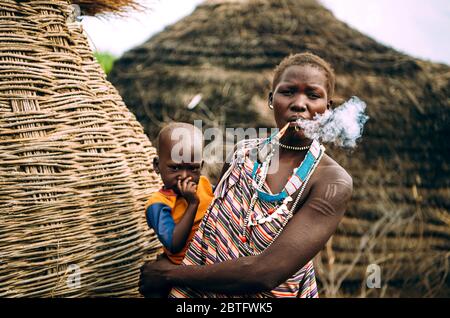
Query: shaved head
{"x": 180, "y": 154}
{"x": 178, "y": 140}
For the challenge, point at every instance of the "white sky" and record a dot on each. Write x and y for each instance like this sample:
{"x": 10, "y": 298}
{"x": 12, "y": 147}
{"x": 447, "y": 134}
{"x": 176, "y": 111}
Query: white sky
{"x": 419, "y": 28}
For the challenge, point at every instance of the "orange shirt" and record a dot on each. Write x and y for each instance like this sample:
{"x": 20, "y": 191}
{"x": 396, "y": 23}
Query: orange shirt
{"x": 164, "y": 209}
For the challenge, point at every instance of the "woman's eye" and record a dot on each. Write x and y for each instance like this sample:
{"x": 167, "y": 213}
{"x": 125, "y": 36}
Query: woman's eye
{"x": 286, "y": 93}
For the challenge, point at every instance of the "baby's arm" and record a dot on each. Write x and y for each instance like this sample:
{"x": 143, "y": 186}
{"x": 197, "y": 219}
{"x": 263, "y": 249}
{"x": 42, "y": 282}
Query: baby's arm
{"x": 188, "y": 190}
{"x": 159, "y": 217}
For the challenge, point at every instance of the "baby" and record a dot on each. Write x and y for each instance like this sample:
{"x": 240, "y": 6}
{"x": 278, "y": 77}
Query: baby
{"x": 176, "y": 210}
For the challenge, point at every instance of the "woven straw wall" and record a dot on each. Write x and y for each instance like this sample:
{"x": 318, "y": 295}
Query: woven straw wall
{"x": 75, "y": 165}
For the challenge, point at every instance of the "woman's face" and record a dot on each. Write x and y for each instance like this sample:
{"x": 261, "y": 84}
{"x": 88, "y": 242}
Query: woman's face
{"x": 301, "y": 92}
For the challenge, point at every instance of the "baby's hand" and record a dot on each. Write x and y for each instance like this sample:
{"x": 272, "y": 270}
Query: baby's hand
{"x": 188, "y": 190}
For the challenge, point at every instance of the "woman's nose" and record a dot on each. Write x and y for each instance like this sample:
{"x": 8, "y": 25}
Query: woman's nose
{"x": 298, "y": 108}
{"x": 299, "y": 105}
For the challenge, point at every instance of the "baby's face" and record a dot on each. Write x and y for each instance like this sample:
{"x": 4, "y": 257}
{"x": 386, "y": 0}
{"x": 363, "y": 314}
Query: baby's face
{"x": 178, "y": 161}
{"x": 172, "y": 171}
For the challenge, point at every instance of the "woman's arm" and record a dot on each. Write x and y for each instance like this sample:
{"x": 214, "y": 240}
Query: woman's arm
{"x": 303, "y": 237}
{"x": 311, "y": 228}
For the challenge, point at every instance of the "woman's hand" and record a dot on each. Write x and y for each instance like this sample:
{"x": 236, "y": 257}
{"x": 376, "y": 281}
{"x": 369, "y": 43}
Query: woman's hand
{"x": 152, "y": 282}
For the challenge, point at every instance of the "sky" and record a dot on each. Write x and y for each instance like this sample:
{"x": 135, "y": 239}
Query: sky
{"x": 416, "y": 27}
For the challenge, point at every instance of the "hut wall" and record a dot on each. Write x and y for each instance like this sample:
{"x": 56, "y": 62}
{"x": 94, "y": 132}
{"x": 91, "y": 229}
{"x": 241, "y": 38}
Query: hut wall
{"x": 75, "y": 165}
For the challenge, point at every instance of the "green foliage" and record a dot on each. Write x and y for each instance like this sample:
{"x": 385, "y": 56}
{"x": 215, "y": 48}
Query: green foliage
{"x": 106, "y": 60}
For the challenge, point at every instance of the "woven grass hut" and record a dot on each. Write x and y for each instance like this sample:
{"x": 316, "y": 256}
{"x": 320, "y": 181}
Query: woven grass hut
{"x": 74, "y": 161}
{"x": 399, "y": 216}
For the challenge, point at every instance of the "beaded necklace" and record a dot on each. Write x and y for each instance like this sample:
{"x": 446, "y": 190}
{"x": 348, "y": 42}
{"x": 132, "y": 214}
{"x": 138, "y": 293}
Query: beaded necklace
{"x": 297, "y": 182}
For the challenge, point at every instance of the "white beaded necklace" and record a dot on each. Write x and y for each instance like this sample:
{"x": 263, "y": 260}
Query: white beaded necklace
{"x": 293, "y": 147}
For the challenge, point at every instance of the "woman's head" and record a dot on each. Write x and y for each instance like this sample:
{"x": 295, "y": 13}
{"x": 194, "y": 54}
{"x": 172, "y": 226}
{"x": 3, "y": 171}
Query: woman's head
{"x": 303, "y": 86}
{"x": 306, "y": 59}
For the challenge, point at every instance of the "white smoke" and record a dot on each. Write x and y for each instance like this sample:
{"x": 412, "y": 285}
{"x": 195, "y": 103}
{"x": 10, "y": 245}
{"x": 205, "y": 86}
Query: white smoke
{"x": 341, "y": 126}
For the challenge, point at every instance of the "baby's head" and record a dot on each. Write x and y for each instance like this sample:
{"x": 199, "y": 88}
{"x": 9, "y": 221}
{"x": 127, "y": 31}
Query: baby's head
{"x": 180, "y": 148}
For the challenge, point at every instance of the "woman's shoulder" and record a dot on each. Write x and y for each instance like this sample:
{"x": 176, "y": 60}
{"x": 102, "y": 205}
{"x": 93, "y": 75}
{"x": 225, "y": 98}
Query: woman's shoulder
{"x": 329, "y": 171}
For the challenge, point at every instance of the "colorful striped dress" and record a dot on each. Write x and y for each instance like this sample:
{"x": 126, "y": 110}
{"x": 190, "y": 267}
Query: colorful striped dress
{"x": 218, "y": 238}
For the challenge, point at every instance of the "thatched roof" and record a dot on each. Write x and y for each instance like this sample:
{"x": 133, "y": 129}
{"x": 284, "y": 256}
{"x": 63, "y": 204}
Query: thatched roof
{"x": 225, "y": 50}
{"x": 75, "y": 165}
{"x": 106, "y": 7}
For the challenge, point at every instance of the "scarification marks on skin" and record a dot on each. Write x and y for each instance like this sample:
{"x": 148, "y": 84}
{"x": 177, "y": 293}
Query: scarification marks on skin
{"x": 331, "y": 191}
{"x": 343, "y": 182}
{"x": 332, "y": 188}
{"x": 322, "y": 205}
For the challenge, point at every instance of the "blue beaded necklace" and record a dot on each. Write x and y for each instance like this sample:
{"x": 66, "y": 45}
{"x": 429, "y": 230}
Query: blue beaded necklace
{"x": 295, "y": 181}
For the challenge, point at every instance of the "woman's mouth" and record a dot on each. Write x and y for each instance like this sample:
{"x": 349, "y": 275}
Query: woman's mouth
{"x": 294, "y": 121}
{"x": 294, "y": 125}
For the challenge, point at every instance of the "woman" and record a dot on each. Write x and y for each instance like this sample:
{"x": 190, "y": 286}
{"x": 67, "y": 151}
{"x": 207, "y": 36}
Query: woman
{"x": 269, "y": 217}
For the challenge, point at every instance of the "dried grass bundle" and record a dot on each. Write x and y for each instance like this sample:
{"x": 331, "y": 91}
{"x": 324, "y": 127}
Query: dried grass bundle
{"x": 106, "y": 7}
